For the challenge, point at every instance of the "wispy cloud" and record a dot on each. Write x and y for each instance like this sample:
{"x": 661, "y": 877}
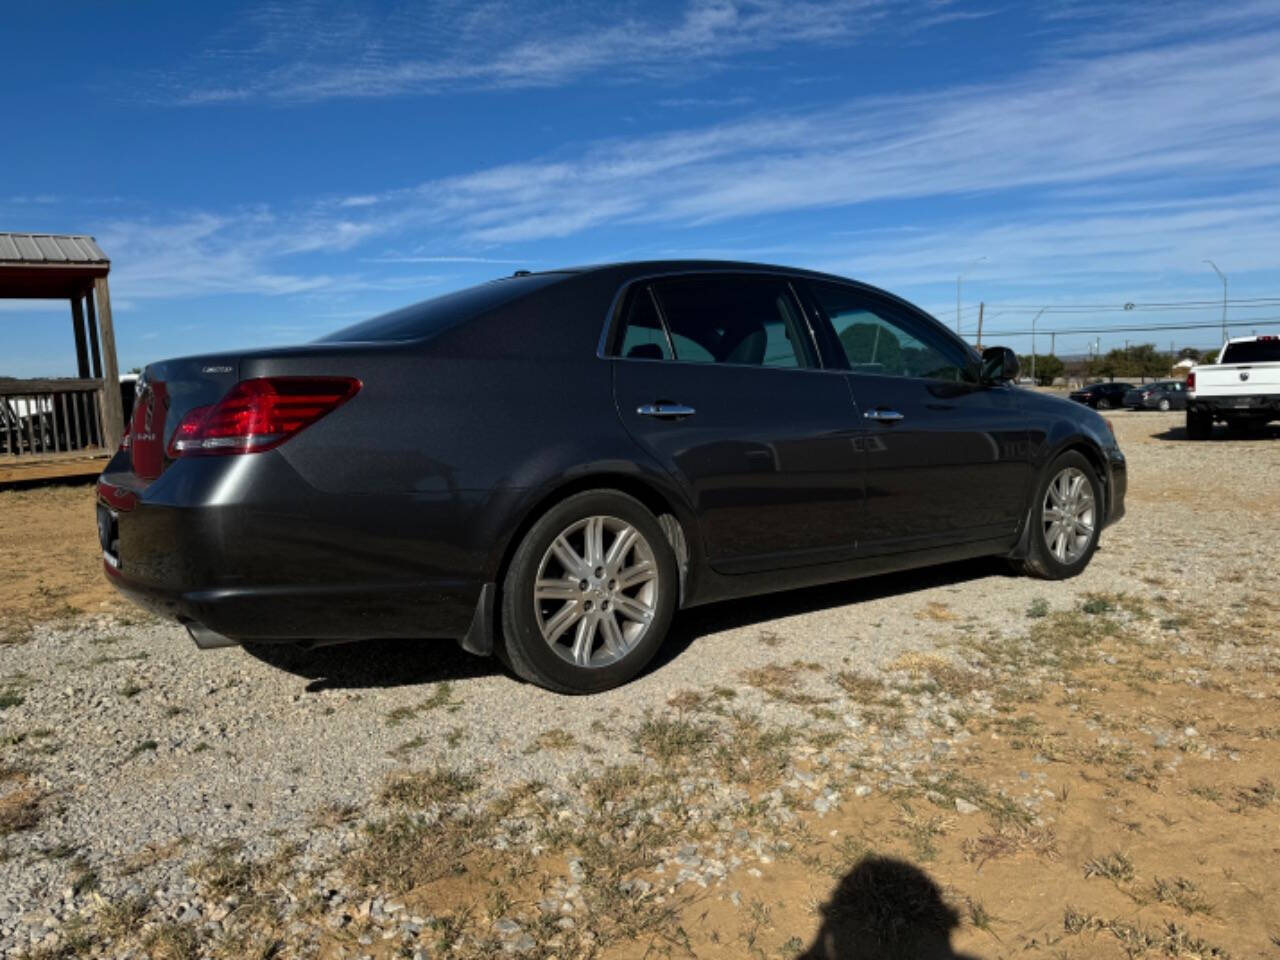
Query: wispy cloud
{"x": 1135, "y": 161}
{"x": 319, "y": 51}
{"x": 1070, "y": 123}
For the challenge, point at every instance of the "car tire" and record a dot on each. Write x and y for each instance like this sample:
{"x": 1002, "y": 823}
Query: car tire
{"x": 584, "y": 629}
{"x": 1102, "y": 403}
{"x": 1046, "y": 557}
{"x": 1199, "y": 425}
{"x": 1164, "y": 405}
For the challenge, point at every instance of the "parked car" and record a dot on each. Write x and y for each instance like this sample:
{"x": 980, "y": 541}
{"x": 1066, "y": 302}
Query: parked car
{"x": 547, "y": 466}
{"x": 1242, "y": 389}
{"x": 1102, "y": 396}
{"x": 1162, "y": 395}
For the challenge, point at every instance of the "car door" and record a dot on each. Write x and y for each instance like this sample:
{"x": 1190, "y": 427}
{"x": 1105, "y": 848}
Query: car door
{"x": 946, "y": 458}
{"x": 717, "y": 376}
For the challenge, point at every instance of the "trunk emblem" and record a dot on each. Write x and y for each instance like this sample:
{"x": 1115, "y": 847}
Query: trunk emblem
{"x": 1244, "y": 375}
{"x": 215, "y": 369}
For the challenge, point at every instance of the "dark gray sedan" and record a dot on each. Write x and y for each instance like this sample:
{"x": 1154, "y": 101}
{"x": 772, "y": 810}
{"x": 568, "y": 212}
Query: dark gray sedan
{"x": 1162, "y": 395}
{"x": 549, "y": 466}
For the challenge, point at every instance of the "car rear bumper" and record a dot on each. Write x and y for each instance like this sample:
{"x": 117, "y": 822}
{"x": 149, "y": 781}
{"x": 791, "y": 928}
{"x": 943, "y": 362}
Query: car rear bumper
{"x": 206, "y": 548}
{"x": 1259, "y": 404}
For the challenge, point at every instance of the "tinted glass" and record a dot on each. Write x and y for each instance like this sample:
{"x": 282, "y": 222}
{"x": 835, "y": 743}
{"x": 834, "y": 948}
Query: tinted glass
{"x": 431, "y": 316}
{"x": 643, "y": 337}
{"x": 734, "y": 319}
{"x": 883, "y": 338}
{"x": 1257, "y": 351}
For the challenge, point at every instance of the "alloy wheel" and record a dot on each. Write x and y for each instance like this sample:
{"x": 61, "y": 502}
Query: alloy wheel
{"x": 1069, "y": 515}
{"x": 596, "y": 591}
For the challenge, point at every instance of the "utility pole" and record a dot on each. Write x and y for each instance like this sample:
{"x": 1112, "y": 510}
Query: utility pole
{"x": 982, "y": 305}
{"x": 1223, "y": 277}
{"x": 1053, "y": 343}
{"x": 1033, "y": 342}
{"x": 959, "y": 277}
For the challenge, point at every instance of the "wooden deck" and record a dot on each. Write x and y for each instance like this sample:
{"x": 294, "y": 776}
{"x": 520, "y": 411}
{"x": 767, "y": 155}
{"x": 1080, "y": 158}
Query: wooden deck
{"x": 51, "y": 468}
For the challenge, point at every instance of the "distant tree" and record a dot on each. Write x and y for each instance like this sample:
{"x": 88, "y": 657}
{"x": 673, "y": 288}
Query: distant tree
{"x": 1048, "y": 368}
{"x": 1141, "y": 360}
{"x": 1188, "y": 353}
{"x": 1210, "y": 356}
{"x": 1103, "y": 367}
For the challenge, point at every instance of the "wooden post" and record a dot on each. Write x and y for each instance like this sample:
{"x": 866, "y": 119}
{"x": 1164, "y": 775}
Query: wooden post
{"x": 112, "y": 408}
{"x": 982, "y": 305}
{"x": 91, "y": 316}
{"x": 82, "y": 353}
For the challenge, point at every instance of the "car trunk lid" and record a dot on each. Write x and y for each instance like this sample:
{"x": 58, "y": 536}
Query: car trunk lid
{"x": 167, "y": 391}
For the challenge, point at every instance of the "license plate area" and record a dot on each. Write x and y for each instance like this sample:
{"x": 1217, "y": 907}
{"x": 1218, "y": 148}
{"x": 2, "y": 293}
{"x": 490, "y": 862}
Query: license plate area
{"x": 109, "y": 535}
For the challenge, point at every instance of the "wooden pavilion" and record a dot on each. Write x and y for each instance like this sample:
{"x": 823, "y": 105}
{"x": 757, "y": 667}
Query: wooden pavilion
{"x": 67, "y": 426}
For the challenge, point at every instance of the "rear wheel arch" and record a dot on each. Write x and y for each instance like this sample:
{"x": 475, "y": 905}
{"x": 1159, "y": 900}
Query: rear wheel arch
{"x": 677, "y": 520}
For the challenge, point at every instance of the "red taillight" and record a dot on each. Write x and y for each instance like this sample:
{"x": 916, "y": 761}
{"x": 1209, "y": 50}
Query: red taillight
{"x": 125, "y": 440}
{"x": 259, "y": 414}
{"x": 1191, "y": 379}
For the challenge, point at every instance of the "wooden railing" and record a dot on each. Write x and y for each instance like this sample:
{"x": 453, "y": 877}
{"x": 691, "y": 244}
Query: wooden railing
{"x": 50, "y": 418}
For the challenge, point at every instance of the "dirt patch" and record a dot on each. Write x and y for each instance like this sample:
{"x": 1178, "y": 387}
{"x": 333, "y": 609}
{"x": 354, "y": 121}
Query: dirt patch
{"x": 53, "y": 567}
{"x": 1116, "y": 800}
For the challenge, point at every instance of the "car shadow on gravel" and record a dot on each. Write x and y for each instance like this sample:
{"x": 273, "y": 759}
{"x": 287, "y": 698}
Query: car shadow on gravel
{"x": 375, "y": 663}
{"x": 691, "y": 624}
{"x": 1220, "y": 434}
{"x": 399, "y": 663}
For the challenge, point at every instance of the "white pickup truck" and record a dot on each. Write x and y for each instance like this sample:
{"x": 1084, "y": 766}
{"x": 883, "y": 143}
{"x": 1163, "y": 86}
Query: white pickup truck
{"x": 1242, "y": 389}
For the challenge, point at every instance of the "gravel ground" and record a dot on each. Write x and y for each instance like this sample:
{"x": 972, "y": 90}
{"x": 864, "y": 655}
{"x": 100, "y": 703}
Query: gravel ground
{"x": 150, "y": 751}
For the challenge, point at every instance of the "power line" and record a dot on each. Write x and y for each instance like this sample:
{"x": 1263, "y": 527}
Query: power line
{"x": 1246, "y": 303}
{"x": 1141, "y": 328}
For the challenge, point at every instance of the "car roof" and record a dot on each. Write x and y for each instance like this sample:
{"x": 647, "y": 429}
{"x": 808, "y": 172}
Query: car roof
{"x": 640, "y": 268}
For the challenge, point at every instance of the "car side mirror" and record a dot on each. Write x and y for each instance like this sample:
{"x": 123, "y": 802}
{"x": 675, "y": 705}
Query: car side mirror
{"x": 999, "y": 365}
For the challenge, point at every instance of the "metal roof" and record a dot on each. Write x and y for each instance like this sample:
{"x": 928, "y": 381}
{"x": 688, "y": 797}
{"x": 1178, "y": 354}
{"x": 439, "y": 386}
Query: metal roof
{"x": 48, "y": 249}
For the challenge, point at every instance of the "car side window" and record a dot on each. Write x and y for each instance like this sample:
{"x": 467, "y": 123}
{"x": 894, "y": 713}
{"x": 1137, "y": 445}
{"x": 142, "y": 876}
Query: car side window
{"x": 735, "y": 319}
{"x": 643, "y": 336}
{"x": 885, "y": 339}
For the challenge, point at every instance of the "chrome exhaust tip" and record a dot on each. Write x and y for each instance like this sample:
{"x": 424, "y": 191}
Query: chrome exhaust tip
{"x": 206, "y": 639}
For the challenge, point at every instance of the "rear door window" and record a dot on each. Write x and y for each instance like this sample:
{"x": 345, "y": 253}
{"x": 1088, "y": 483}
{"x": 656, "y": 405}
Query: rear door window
{"x": 733, "y": 319}
{"x": 643, "y": 336}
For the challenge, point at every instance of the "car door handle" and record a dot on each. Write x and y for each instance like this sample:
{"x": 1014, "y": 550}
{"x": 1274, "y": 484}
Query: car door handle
{"x": 665, "y": 411}
{"x": 883, "y": 415}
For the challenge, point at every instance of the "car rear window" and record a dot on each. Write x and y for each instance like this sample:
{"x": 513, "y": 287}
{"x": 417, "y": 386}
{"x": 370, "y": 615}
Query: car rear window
{"x": 432, "y": 316}
{"x": 1254, "y": 351}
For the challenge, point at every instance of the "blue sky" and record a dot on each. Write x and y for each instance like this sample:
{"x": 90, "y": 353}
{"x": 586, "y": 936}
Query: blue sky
{"x": 262, "y": 174}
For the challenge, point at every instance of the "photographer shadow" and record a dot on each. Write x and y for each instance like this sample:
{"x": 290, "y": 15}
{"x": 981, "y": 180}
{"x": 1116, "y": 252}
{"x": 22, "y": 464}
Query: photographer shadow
{"x": 886, "y": 909}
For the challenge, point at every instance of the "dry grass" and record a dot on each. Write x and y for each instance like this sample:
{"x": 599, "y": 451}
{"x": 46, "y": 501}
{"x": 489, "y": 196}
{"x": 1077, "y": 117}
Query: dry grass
{"x": 424, "y": 788}
{"x": 21, "y": 801}
{"x": 781, "y": 682}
